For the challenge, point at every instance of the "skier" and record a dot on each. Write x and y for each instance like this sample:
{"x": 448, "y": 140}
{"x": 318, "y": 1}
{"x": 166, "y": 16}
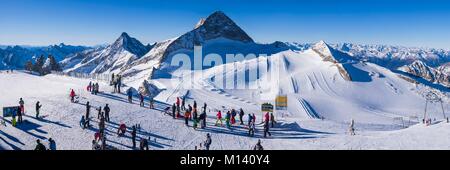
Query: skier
{"x": 83, "y": 122}
{"x": 174, "y": 108}
{"x": 39, "y": 146}
{"x": 72, "y": 96}
{"x": 352, "y": 128}
{"x": 51, "y": 144}
{"x": 133, "y": 136}
{"x": 141, "y": 97}
{"x": 107, "y": 110}
{"x": 258, "y": 146}
{"x": 272, "y": 120}
{"x": 130, "y": 95}
{"x": 241, "y": 116}
{"x": 112, "y": 80}
{"x": 144, "y": 144}
{"x": 219, "y": 118}
{"x": 22, "y": 107}
{"x": 195, "y": 118}
{"x": 266, "y": 129}
{"x": 208, "y": 141}
{"x": 38, "y": 107}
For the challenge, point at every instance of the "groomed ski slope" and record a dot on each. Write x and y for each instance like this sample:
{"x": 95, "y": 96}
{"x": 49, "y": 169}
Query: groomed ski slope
{"x": 62, "y": 122}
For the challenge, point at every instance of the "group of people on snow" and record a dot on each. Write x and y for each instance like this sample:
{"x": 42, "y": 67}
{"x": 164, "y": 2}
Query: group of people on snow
{"x": 93, "y": 88}
{"x": 41, "y": 147}
{"x": 116, "y": 82}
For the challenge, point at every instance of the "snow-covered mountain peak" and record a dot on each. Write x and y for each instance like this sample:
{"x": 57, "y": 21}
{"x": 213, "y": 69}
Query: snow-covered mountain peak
{"x": 130, "y": 44}
{"x": 220, "y": 25}
{"x": 420, "y": 69}
{"x": 323, "y": 48}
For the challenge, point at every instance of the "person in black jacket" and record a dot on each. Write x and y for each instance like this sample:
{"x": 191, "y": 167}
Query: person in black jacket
{"x": 174, "y": 108}
{"x": 88, "y": 110}
{"x": 38, "y": 107}
{"x": 107, "y": 110}
{"x": 133, "y": 136}
{"x": 39, "y": 146}
{"x": 241, "y": 116}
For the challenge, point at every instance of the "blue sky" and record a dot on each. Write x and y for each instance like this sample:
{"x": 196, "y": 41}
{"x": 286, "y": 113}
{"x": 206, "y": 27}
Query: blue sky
{"x": 423, "y": 23}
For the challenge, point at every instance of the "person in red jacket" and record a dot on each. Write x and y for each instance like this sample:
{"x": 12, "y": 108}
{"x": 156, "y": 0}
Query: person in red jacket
{"x": 72, "y": 96}
{"x": 266, "y": 117}
{"x": 219, "y": 118}
{"x": 122, "y": 129}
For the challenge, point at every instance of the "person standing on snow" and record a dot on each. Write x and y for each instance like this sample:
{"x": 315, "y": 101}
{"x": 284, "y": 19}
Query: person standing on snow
{"x": 258, "y": 146}
{"x": 219, "y": 118}
{"x": 72, "y": 96}
{"x": 133, "y": 136}
{"x": 119, "y": 83}
{"x": 141, "y": 97}
{"x": 19, "y": 114}
{"x": 51, "y": 144}
{"x": 107, "y": 110}
{"x": 99, "y": 114}
{"x": 89, "y": 87}
{"x": 251, "y": 129}
{"x": 97, "y": 88}
{"x": 178, "y": 104}
{"x": 38, "y": 108}
{"x": 208, "y": 141}
{"x": 83, "y": 122}
{"x": 267, "y": 117}
{"x": 22, "y": 106}
{"x": 88, "y": 110}
{"x": 183, "y": 102}
{"x": 174, "y": 109}
{"x": 195, "y": 104}
{"x": 352, "y": 128}
{"x": 227, "y": 119}
{"x": 144, "y": 144}
{"x": 250, "y": 119}
{"x": 39, "y": 146}
{"x": 272, "y": 120}
{"x": 203, "y": 119}
{"x": 152, "y": 103}
{"x": 186, "y": 117}
{"x": 130, "y": 95}
{"x": 266, "y": 129}
{"x": 241, "y": 116}
{"x": 233, "y": 116}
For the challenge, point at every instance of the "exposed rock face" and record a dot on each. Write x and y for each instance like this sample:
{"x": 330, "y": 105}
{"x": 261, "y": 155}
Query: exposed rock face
{"x": 420, "y": 69}
{"x": 331, "y": 55}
